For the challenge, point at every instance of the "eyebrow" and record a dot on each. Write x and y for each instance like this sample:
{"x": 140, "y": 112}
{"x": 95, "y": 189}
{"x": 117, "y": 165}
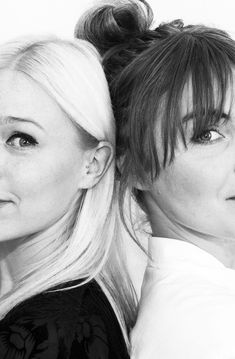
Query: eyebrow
{"x": 9, "y": 119}
{"x": 191, "y": 115}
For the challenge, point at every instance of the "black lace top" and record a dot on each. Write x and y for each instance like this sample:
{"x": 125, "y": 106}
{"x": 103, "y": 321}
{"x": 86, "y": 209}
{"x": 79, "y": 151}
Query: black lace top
{"x": 78, "y": 323}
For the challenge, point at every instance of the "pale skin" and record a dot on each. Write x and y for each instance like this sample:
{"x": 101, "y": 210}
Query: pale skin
{"x": 193, "y": 199}
{"x": 44, "y": 166}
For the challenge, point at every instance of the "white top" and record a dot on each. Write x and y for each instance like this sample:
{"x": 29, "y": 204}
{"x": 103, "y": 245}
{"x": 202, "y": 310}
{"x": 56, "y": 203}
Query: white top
{"x": 187, "y": 307}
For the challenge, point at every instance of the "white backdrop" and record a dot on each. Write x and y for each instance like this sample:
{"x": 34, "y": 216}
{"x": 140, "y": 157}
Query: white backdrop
{"x": 20, "y": 17}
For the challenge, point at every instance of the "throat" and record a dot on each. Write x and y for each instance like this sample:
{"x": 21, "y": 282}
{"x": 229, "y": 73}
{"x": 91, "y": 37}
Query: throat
{"x": 222, "y": 248}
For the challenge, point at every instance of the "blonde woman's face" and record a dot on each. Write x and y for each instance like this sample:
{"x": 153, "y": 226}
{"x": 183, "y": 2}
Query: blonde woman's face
{"x": 41, "y": 161}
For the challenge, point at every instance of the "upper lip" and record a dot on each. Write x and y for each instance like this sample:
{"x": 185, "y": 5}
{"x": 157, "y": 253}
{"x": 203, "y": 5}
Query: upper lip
{"x": 7, "y": 197}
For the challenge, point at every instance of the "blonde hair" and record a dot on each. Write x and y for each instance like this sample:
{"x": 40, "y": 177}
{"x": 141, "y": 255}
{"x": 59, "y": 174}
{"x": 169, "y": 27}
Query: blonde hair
{"x": 90, "y": 247}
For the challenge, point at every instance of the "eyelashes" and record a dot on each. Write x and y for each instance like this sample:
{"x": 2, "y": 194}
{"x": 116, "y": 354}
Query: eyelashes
{"x": 208, "y": 136}
{"x": 21, "y": 140}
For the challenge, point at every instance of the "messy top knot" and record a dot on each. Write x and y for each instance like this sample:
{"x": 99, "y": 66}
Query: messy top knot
{"x": 115, "y": 23}
{"x": 147, "y": 71}
{"x": 120, "y": 30}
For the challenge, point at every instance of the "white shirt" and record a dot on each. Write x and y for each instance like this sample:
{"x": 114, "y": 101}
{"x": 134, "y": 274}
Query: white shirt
{"x": 187, "y": 307}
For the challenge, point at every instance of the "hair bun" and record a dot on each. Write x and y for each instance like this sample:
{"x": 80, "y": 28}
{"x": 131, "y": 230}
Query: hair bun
{"x": 169, "y": 28}
{"x": 114, "y": 22}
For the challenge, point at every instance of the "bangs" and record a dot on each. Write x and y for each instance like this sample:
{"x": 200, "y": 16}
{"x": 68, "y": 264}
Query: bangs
{"x": 204, "y": 69}
{"x": 194, "y": 64}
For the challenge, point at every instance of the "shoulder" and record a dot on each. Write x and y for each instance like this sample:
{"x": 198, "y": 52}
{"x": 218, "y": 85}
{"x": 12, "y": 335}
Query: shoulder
{"x": 66, "y": 323}
{"x": 183, "y": 316}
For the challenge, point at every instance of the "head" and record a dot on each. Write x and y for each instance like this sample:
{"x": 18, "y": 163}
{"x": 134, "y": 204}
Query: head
{"x": 57, "y": 171}
{"x": 55, "y": 123}
{"x": 172, "y": 92}
{"x": 57, "y": 135}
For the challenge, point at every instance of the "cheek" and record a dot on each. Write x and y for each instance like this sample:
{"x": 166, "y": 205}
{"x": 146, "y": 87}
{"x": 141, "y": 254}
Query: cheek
{"x": 49, "y": 181}
{"x": 185, "y": 183}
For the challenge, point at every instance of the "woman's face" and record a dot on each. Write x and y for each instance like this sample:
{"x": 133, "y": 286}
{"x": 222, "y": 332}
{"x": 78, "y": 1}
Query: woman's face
{"x": 197, "y": 191}
{"x": 41, "y": 161}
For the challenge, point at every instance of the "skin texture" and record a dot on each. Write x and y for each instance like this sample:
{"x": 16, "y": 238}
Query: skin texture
{"x": 193, "y": 198}
{"x": 39, "y": 176}
{"x": 44, "y": 166}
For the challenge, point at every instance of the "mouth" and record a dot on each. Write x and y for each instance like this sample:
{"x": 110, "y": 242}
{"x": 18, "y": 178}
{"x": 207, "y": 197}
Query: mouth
{"x": 7, "y": 197}
{"x": 2, "y": 202}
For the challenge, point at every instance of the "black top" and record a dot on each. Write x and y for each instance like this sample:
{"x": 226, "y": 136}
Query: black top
{"x": 78, "y": 323}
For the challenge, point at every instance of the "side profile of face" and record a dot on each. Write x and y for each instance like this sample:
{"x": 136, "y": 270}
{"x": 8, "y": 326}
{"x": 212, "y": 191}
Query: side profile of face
{"x": 196, "y": 192}
{"x": 41, "y": 158}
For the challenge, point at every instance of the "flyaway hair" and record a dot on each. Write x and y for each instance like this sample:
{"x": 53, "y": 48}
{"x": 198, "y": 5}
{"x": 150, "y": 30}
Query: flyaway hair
{"x": 148, "y": 70}
{"x": 90, "y": 245}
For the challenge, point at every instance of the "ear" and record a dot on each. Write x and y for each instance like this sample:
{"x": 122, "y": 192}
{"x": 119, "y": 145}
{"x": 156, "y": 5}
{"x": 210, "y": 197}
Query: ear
{"x": 97, "y": 162}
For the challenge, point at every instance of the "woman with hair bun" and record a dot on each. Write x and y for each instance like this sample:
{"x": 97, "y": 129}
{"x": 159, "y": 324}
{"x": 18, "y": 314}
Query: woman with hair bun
{"x": 64, "y": 289}
{"x": 172, "y": 90}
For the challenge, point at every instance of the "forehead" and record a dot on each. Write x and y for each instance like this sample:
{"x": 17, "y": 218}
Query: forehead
{"x": 22, "y": 97}
{"x": 18, "y": 92}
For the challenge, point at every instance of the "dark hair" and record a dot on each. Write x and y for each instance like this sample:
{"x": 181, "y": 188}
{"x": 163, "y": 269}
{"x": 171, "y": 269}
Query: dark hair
{"x": 147, "y": 70}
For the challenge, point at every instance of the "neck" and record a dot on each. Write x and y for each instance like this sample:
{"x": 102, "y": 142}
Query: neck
{"x": 221, "y": 248}
{"x": 22, "y": 256}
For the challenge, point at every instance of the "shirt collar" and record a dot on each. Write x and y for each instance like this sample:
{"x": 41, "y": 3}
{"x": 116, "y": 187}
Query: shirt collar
{"x": 170, "y": 252}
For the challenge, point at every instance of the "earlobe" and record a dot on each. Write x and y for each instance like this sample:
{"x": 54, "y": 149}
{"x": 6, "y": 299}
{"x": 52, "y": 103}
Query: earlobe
{"x": 98, "y": 162}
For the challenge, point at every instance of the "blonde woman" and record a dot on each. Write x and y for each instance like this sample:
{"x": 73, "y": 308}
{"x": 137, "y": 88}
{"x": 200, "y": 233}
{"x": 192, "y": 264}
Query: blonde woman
{"x": 64, "y": 289}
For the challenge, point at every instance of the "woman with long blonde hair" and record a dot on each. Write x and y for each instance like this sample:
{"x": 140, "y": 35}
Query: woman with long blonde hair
{"x": 64, "y": 290}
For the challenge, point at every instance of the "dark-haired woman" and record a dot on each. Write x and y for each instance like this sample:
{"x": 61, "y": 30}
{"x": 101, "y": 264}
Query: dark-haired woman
{"x": 173, "y": 95}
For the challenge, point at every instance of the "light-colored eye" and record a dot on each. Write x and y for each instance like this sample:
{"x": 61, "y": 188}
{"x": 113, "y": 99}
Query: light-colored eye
{"x": 209, "y": 136}
{"x": 21, "y": 140}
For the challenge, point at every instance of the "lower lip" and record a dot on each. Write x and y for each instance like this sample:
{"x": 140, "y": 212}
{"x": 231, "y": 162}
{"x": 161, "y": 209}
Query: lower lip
{"x": 3, "y": 203}
{"x": 5, "y": 209}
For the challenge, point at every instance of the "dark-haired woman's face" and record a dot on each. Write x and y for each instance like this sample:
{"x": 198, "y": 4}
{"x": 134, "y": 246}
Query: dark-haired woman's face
{"x": 196, "y": 193}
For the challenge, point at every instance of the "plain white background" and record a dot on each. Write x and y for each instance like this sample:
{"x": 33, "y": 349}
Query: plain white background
{"x": 21, "y": 17}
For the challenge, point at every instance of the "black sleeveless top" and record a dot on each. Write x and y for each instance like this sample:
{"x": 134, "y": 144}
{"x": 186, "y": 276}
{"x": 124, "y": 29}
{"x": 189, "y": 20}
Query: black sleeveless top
{"x": 78, "y": 323}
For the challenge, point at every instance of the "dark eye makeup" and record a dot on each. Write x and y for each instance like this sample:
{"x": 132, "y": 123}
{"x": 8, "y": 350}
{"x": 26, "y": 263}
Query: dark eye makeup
{"x": 211, "y": 125}
{"x": 21, "y": 140}
{"x": 208, "y": 136}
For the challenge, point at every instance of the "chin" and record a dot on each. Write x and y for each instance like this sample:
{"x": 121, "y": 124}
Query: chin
{"x": 7, "y": 235}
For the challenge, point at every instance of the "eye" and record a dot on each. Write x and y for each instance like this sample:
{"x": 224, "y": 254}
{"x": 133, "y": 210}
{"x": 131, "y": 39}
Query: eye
{"x": 21, "y": 140}
{"x": 208, "y": 136}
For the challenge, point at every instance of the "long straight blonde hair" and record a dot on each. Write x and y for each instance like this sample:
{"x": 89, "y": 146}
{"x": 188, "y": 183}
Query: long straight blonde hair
{"x": 91, "y": 244}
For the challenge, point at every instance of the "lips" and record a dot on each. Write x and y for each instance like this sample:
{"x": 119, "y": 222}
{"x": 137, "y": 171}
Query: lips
{"x": 2, "y": 202}
{"x": 6, "y": 197}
